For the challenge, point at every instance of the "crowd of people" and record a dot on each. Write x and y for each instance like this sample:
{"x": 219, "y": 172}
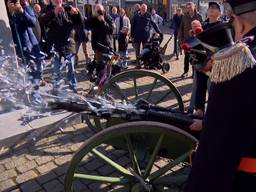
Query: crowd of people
{"x": 56, "y": 27}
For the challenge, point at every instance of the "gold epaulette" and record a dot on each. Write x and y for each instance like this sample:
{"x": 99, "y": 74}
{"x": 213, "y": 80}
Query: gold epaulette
{"x": 230, "y": 62}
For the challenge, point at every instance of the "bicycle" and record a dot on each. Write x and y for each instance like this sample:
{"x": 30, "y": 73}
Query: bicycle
{"x": 111, "y": 66}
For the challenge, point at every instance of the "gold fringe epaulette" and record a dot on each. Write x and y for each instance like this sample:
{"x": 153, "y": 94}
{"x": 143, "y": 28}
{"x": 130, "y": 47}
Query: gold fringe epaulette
{"x": 230, "y": 62}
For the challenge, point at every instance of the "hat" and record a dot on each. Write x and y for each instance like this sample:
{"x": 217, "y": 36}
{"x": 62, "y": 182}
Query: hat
{"x": 242, "y": 6}
{"x": 214, "y": 3}
{"x": 219, "y": 36}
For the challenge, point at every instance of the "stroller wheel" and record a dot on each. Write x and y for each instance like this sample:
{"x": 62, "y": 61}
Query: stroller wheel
{"x": 165, "y": 67}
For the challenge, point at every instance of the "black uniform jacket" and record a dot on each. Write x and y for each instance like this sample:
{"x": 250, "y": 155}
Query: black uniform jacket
{"x": 229, "y": 132}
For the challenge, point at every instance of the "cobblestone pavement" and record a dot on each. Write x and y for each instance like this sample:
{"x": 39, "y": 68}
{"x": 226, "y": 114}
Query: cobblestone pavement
{"x": 41, "y": 166}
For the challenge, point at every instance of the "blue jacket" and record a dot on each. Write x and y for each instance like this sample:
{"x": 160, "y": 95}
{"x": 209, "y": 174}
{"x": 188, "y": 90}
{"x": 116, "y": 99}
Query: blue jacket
{"x": 25, "y": 23}
{"x": 141, "y": 26}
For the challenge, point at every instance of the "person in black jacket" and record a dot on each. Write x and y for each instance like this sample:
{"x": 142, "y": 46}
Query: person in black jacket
{"x": 140, "y": 29}
{"x": 226, "y": 156}
{"x": 176, "y": 21}
{"x": 101, "y": 26}
{"x": 213, "y": 18}
{"x": 61, "y": 36}
{"x": 81, "y": 34}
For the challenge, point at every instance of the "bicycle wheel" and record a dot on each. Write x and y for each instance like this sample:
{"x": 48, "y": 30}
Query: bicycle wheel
{"x": 132, "y": 85}
{"x": 133, "y": 157}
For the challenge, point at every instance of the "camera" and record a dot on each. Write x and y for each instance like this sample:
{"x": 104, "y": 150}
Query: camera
{"x": 100, "y": 12}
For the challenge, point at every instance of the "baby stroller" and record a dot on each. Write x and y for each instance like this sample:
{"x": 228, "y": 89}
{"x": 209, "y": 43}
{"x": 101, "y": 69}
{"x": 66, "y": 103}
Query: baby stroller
{"x": 151, "y": 55}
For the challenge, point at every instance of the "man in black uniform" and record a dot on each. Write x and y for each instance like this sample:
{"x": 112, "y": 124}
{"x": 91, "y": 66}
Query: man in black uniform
{"x": 226, "y": 156}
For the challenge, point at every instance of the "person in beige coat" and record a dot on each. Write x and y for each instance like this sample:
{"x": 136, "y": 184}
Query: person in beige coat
{"x": 123, "y": 29}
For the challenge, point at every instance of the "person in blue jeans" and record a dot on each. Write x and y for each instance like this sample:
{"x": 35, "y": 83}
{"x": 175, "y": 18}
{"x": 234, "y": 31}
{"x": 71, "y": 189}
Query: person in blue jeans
{"x": 61, "y": 36}
{"x": 24, "y": 19}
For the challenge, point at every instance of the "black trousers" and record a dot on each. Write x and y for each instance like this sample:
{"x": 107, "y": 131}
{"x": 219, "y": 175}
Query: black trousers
{"x": 175, "y": 50}
{"x": 186, "y": 63}
{"x": 201, "y": 90}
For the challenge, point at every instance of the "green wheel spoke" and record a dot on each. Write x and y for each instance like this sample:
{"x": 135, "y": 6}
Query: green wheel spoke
{"x": 135, "y": 88}
{"x": 153, "y": 156}
{"x": 151, "y": 89}
{"x": 167, "y": 167}
{"x": 113, "y": 164}
{"x": 132, "y": 155}
{"x": 102, "y": 179}
{"x": 163, "y": 97}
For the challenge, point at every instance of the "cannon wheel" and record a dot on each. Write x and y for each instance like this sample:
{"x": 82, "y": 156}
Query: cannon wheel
{"x": 131, "y": 85}
{"x": 143, "y": 146}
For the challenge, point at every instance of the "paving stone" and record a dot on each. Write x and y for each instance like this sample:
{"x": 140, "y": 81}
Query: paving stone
{"x": 43, "y": 160}
{"x": 79, "y": 126}
{"x": 7, "y": 174}
{"x": 26, "y": 176}
{"x": 63, "y": 159}
{"x": 16, "y": 190}
{"x": 68, "y": 130}
{"x": 7, "y": 185}
{"x": 2, "y": 169}
{"x": 26, "y": 167}
{"x": 53, "y": 186}
{"x": 66, "y": 137}
{"x": 79, "y": 138}
{"x": 98, "y": 187}
{"x": 46, "y": 168}
{"x": 22, "y": 151}
{"x": 79, "y": 186}
{"x": 30, "y": 186}
{"x": 45, "y": 178}
{"x": 34, "y": 154}
{"x": 76, "y": 146}
{"x": 93, "y": 165}
{"x": 106, "y": 170}
{"x": 123, "y": 161}
{"x": 60, "y": 170}
{"x": 15, "y": 162}
{"x": 62, "y": 179}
